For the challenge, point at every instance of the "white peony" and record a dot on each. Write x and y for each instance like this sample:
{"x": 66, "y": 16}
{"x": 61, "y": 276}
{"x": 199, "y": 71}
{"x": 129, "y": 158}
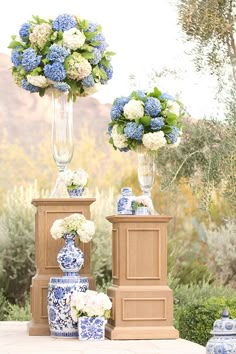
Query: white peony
{"x": 154, "y": 141}
{"x": 134, "y": 109}
{"x": 173, "y": 107}
{"x": 57, "y": 230}
{"x": 38, "y": 80}
{"x": 73, "y": 38}
{"x": 119, "y": 140}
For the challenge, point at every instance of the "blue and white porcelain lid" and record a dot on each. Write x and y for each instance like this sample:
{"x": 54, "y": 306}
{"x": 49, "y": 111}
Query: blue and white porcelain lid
{"x": 225, "y": 326}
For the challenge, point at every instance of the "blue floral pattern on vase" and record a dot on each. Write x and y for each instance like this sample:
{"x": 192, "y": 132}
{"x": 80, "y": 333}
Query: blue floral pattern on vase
{"x": 142, "y": 211}
{"x": 76, "y": 192}
{"x": 91, "y": 328}
{"x": 60, "y": 289}
{"x": 70, "y": 258}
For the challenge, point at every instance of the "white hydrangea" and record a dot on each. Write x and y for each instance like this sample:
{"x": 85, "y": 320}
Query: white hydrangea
{"x": 119, "y": 140}
{"x": 40, "y": 33}
{"x": 57, "y": 230}
{"x": 78, "y": 178}
{"x": 73, "y": 222}
{"x": 134, "y": 109}
{"x": 173, "y": 107}
{"x": 73, "y": 38}
{"x": 38, "y": 80}
{"x": 87, "y": 231}
{"x": 154, "y": 141}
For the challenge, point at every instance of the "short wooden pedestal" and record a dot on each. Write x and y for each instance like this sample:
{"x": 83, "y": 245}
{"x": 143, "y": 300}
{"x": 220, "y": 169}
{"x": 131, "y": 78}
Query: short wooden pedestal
{"x": 142, "y": 303}
{"x": 46, "y": 249}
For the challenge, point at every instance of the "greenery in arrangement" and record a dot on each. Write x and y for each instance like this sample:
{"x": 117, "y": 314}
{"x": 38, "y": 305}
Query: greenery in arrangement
{"x": 67, "y": 54}
{"x": 145, "y": 119}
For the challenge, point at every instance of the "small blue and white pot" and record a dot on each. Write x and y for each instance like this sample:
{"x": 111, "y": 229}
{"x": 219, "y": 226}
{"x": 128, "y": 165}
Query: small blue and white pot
{"x": 75, "y": 192}
{"x": 142, "y": 210}
{"x": 91, "y": 328}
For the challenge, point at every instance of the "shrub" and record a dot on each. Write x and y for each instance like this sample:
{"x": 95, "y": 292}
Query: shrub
{"x": 222, "y": 252}
{"x": 19, "y": 313}
{"x": 4, "y": 306}
{"x": 196, "y": 320}
{"x": 17, "y": 243}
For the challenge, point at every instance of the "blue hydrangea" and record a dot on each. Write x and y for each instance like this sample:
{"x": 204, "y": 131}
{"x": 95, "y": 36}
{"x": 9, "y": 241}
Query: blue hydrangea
{"x": 16, "y": 57}
{"x": 109, "y": 130}
{"x": 30, "y": 59}
{"x": 108, "y": 71}
{"x": 29, "y": 87}
{"x": 173, "y": 136}
{"x": 152, "y": 107}
{"x": 58, "y": 53}
{"x": 55, "y": 71}
{"x": 100, "y": 38}
{"x": 62, "y": 86}
{"x": 88, "y": 81}
{"x": 157, "y": 123}
{"x": 166, "y": 96}
{"x": 92, "y": 27}
{"x": 117, "y": 107}
{"x": 64, "y": 22}
{"x": 97, "y": 56}
{"x": 134, "y": 131}
{"x": 124, "y": 149}
{"x": 140, "y": 93}
{"x": 24, "y": 31}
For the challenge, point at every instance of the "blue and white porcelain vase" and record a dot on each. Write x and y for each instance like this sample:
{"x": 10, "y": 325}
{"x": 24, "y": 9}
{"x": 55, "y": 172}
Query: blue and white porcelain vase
{"x": 91, "y": 328}
{"x": 142, "y": 210}
{"x": 60, "y": 290}
{"x": 70, "y": 258}
{"x": 75, "y": 192}
{"x": 125, "y": 202}
{"x": 224, "y": 336}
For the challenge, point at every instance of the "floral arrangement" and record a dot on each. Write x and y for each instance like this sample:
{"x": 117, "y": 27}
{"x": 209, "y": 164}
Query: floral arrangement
{"x": 140, "y": 203}
{"x": 75, "y": 224}
{"x": 67, "y": 54}
{"x": 148, "y": 120}
{"x": 90, "y": 304}
{"x": 74, "y": 179}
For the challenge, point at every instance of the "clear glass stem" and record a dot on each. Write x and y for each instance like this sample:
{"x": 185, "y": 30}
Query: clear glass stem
{"x": 146, "y": 176}
{"x": 62, "y": 139}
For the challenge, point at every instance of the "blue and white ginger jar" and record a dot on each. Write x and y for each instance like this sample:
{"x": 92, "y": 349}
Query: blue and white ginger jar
{"x": 224, "y": 336}
{"x": 125, "y": 202}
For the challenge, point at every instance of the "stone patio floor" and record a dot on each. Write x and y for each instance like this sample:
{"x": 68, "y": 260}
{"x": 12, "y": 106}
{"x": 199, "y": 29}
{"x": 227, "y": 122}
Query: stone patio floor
{"x": 14, "y": 339}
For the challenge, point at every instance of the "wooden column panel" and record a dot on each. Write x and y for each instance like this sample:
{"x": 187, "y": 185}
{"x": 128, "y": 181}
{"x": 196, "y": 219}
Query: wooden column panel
{"x": 46, "y": 250}
{"x": 142, "y": 301}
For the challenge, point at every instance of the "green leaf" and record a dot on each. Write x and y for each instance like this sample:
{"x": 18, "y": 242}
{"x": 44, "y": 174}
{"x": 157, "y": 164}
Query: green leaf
{"x": 171, "y": 118}
{"x": 145, "y": 121}
{"x": 87, "y": 47}
{"x": 90, "y": 35}
{"x": 36, "y": 71}
{"x": 137, "y": 121}
{"x": 95, "y": 43}
{"x": 110, "y": 54}
{"x": 111, "y": 141}
{"x": 156, "y": 93}
{"x": 87, "y": 55}
{"x": 120, "y": 129}
{"x": 13, "y": 44}
{"x": 83, "y": 24}
{"x": 41, "y": 92}
{"x": 103, "y": 74}
{"x": 166, "y": 129}
{"x": 105, "y": 62}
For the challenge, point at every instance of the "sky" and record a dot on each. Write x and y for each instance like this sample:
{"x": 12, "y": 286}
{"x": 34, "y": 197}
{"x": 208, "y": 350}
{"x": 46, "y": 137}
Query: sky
{"x": 143, "y": 34}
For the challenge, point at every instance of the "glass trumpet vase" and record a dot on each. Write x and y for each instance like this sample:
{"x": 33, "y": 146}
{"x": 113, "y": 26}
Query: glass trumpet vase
{"x": 62, "y": 139}
{"x": 146, "y": 177}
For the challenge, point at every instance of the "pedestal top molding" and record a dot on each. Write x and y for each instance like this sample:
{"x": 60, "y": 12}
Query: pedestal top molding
{"x": 142, "y": 218}
{"x": 63, "y": 201}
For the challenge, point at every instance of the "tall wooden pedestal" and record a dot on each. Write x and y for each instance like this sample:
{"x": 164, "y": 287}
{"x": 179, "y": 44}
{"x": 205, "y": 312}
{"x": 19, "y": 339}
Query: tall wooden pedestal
{"x": 142, "y": 303}
{"x": 46, "y": 249}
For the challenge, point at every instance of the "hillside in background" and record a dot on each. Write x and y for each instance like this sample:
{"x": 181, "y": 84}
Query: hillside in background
{"x": 26, "y": 117}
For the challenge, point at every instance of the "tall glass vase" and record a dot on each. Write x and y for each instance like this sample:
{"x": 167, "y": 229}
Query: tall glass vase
{"x": 62, "y": 139}
{"x": 146, "y": 176}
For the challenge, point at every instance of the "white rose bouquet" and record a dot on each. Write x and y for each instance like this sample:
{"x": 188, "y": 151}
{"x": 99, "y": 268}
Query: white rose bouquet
{"x": 90, "y": 304}
{"x": 75, "y": 224}
{"x": 147, "y": 120}
{"x": 67, "y": 54}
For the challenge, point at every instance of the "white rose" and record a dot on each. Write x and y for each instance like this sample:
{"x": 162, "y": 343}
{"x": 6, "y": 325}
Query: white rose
{"x": 134, "y": 109}
{"x": 73, "y": 38}
{"x": 154, "y": 141}
{"x": 119, "y": 140}
{"x": 38, "y": 80}
{"x": 173, "y": 107}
